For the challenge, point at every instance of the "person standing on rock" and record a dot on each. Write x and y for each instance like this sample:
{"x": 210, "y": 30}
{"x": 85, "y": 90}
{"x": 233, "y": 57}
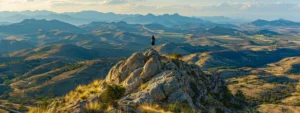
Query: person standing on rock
{"x": 153, "y": 41}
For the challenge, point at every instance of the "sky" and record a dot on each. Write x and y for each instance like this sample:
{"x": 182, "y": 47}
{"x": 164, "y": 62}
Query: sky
{"x": 246, "y": 9}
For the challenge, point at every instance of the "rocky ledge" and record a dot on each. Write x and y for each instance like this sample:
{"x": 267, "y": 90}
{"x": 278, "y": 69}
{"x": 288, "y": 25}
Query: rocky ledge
{"x": 149, "y": 78}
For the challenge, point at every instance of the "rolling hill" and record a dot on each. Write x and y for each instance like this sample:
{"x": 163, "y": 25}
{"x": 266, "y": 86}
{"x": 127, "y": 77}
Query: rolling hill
{"x": 184, "y": 48}
{"x": 31, "y": 26}
{"x": 242, "y": 58}
{"x": 68, "y": 52}
{"x": 14, "y": 45}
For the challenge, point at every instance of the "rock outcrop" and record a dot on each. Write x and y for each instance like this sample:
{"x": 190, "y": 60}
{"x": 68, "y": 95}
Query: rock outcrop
{"x": 150, "y": 78}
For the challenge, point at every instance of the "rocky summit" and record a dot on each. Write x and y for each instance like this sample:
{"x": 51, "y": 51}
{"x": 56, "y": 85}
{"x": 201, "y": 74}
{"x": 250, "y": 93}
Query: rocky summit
{"x": 149, "y": 79}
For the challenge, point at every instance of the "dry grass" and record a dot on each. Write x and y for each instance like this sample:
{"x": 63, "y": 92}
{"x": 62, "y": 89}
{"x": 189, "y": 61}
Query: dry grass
{"x": 143, "y": 86}
{"x": 272, "y": 108}
{"x": 150, "y": 108}
{"x": 95, "y": 107}
{"x": 43, "y": 110}
{"x": 283, "y": 66}
{"x": 175, "y": 56}
{"x": 3, "y": 111}
{"x": 82, "y": 92}
{"x": 250, "y": 85}
{"x": 181, "y": 107}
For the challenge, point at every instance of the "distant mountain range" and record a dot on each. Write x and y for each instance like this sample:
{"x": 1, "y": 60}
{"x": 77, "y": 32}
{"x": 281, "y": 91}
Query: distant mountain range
{"x": 274, "y": 23}
{"x": 223, "y": 19}
{"x": 85, "y": 17}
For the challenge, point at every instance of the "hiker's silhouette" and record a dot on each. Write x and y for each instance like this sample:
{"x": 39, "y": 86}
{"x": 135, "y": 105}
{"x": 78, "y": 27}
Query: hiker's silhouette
{"x": 153, "y": 41}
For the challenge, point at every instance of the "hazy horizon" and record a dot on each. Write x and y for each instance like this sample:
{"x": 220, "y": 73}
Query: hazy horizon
{"x": 251, "y": 10}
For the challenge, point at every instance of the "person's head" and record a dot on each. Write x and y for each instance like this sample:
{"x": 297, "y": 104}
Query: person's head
{"x": 152, "y": 36}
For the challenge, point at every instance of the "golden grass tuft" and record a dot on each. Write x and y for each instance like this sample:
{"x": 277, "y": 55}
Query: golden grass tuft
{"x": 80, "y": 88}
{"x": 152, "y": 108}
{"x": 97, "y": 83}
{"x": 43, "y": 110}
{"x": 175, "y": 56}
{"x": 95, "y": 107}
{"x": 82, "y": 92}
{"x": 182, "y": 107}
{"x": 143, "y": 86}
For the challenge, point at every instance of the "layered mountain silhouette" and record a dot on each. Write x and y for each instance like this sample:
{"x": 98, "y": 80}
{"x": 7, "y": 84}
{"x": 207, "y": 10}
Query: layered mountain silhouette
{"x": 280, "y": 22}
{"x": 33, "y": 25}
{"x": 85, "y": 17}
{"x": 7, "y": 45}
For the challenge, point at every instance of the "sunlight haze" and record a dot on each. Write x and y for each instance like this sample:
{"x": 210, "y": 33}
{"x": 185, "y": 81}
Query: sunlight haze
{"x": 246, "y": 9}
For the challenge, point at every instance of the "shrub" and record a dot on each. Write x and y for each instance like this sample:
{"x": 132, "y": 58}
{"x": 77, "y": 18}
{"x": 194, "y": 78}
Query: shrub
{"x": 9, "y": 105}
{"x": 71, "y": 96}
{"x": 80, "y": 89}
{"x": 22, "y": 107}
{"x": 94, "y": 107}
{"x": 227, "y": 94}
{"x": 240, "y": 95}
{"x": 97, "y": 83}
{"x": 74, "y": 66}
{"x": 175, "y": 56}
{"x": 143, "y": 86}
{"x": 297, "y": 103}
{"x": 112, "y": 93}
{"x": 219, "y": 110}
{"x": 180, "y": 108}
{"x": 84, "y": 96}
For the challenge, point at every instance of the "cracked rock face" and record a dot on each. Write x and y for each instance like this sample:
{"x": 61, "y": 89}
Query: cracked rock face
{"x": 149, "y": 77}
{"x": 153, "y": 79}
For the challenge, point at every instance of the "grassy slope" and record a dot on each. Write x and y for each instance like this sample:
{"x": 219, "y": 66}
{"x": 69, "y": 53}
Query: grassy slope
{"x": 274, "y": 88}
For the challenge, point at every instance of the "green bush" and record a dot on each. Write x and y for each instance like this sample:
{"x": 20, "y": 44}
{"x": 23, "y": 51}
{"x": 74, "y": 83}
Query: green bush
{"x": 227, "y": 95}
{"x": 74, "y": 66}
{"x": 180, "y": 108}
{"x": 219, "y": 110}
{"x": 297, "y": 103}
{"x": 22, "y": 107}
{"x": 112, "y": 93}
{"x": 240, "y": 95}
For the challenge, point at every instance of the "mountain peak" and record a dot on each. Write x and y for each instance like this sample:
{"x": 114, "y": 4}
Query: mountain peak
{"x": 149, "y": 78}
{"x": 176, "y": 14}
{"x": 150, "y": 15}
